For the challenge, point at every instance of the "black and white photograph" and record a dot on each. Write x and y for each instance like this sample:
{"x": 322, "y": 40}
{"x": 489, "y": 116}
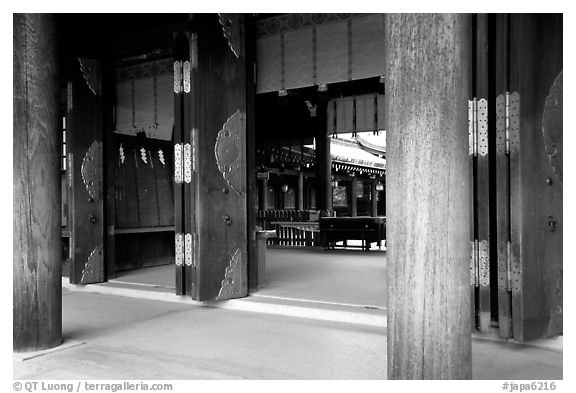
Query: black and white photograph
{"x": 363, "y": 196}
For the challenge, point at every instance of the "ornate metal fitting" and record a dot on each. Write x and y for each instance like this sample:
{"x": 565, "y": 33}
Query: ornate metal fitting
{"x": 513, "y": 108}
{"x": 231, "y": 30}
{"x": 186, "y": 76}
{"x": 178, "y": 163}
{"x": 477, "y": 127}
{"x": 471, "y": 128}
{"x": 177, "y": 77}
{"x": 482, "y": 118}
{"x": 231, "y": 285}
{"x": 91, "y": 172}
{"x": 188, "y": 250}
{"x": 552, "y": 125}
{"x": 501, "y": 129}
{"x": 187, "y": 163}
{"x": 91, "y": 71}
{"x": 228, "y": 151}
{"x": 484, "y": 263}
{"x": 179, "y": 248}
{"x": 92, "y": 268}
{"x": 473, "y": 263}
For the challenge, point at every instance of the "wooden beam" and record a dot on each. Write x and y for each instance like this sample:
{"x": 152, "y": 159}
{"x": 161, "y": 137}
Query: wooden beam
{"x": 37, "y": 289}
{"x": 429, "y": 326}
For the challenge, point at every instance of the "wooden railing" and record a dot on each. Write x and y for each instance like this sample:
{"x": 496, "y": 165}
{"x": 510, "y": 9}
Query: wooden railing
{"x": 288, "y": 236}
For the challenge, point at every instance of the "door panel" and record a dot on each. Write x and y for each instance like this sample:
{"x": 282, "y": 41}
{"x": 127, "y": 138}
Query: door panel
{"x": 220, "y": 156}
{"x": 86, "y": 176}
{"x": 536, "y": 176}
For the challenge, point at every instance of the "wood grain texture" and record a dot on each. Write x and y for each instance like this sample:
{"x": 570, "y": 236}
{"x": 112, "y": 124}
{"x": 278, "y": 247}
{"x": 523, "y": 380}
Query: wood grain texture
{"x": 37, "y": 290}
{"x": 482, "y": 176}
{"x": 85, "y": 120}
{"x": 502, "y": 176}
{"x": 222, "y": 196}
{"x": 535, "y": 62}
{"x": 428, "y": 186}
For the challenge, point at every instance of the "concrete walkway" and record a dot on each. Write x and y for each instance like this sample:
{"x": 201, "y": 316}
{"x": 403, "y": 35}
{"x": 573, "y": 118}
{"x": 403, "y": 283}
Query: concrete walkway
{"x": 116, "y": 337}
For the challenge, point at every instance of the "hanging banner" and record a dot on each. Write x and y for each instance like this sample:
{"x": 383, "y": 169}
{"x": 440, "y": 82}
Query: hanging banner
{"x": 299, "y": 50}
{"x": 362, "y": 113}
{"x": 144, "y": 100}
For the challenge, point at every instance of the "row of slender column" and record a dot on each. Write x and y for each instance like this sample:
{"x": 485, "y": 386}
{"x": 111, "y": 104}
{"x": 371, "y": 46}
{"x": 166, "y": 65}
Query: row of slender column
{"x": 263, "y": 195}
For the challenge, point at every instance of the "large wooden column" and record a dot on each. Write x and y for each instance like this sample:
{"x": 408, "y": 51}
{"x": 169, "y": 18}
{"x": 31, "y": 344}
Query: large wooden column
{"x": 263, "y": 197}
{"x": 428, "y": 181}
{"x": 323, "y": 157}
{"x": 37, "y": 288}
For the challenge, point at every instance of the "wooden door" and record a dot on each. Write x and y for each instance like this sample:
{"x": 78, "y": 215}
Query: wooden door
{"x": 536, "y": 186}
{"x": 85, "y": 171}
{"x": 220, "y": 159}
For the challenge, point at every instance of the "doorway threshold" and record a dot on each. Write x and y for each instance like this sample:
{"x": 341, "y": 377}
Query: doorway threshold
{"x": 324, "y": 311}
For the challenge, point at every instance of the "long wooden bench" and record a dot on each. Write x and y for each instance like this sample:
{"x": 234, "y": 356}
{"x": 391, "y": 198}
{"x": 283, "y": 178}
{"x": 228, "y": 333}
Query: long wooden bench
{"x": 337, "y": 229}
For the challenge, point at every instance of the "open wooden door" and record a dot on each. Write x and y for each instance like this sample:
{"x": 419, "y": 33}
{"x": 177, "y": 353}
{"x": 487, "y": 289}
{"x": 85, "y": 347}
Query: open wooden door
{"x": 85, "y": 171}
{"x": 218, "y": 139}
{"x": 536, "y": 218}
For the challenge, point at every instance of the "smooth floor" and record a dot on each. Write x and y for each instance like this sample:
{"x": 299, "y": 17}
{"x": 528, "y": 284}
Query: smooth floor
{"x": 114, "y": 337}
{"x": 341, "y": 276}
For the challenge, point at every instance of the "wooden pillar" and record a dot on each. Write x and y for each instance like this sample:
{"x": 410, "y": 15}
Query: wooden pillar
{"x": 323, "y": 157}
{"x": 353, "y": 200}
{"x": 429, "y": 326}
{"x": 263, "y": 199}
{"x": 300, "y": 191}
{"x": 37, "y": 258}
{"x": 374, "y": 200}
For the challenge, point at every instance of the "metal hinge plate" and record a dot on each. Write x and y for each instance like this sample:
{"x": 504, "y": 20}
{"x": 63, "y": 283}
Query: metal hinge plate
{"x": 187, "y": 163}
{"x": 477, "y": 127}
{"x": 178, "y": 163}
{"x": 182, "y": 76}
{"x": 186, "y": 76}
{"x": 474, "y": 262}
{"x": 188, "y": 257}
{"x": 483, "y": 263}
{"x": 177, "y": 77}
{"x": 195, "y": 250}
{"x": 482, "y": 119}
{"x": 178, "y": 241}
{"x": 513, "y": 111}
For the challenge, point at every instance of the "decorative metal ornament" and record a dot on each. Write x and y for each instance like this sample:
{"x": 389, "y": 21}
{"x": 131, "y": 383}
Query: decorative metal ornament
{"x": 122, "y": 156}
{"x": 188, "y": 249}
{"x": 228, "y": 151}
{"x": 231, "y": 30}
{"x": 91, "y": 71}
{"x": 143, "y": 155}
{"x": 482, "y": 118}
{"x": 178, "y": 163}
{"x": 90, "y": 170}
{"x": 179, "y": 247}
{"x": 484, "y": 263}
{"x": 230, "y": 286}
{"x": 92, "y": 268}
{"x": 187, "y": 163}
{"x": 552, "y": 125}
